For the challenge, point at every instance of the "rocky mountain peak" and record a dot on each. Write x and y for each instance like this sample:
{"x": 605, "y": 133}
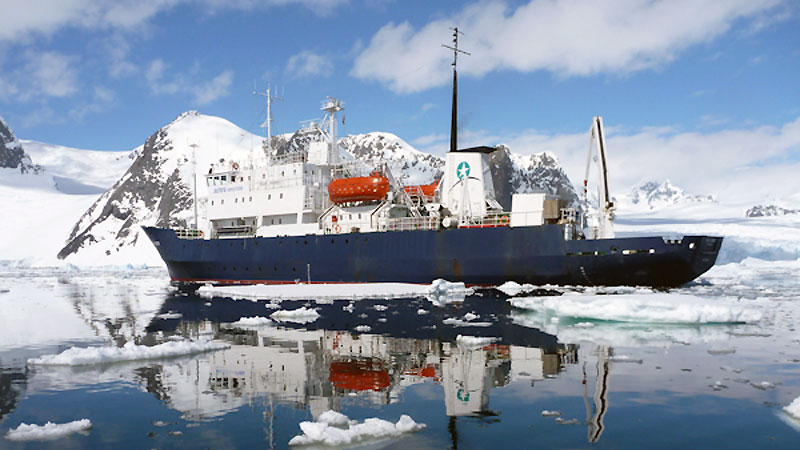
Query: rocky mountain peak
{"x": 12, "y": 155}
{"x": 769, "y": 210}
{"x": 654, "y": 194}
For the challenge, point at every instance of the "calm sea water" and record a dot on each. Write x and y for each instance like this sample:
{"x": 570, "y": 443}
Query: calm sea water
{"x": 615, "y": 385}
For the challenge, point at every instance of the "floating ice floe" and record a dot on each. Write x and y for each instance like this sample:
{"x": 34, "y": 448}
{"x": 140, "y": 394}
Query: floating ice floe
{"x": 548, "y": 413}
{"x": 625, "y": 359}
{"x": 474, "y": 342}
{"x": 48, "y": 431}
{"x": 169, "y": 315}
{"x": 256, "y": 321}
{"x": 442, "y": 292}
{"x": 763, "y": 385}
{"x": 793, "y": 409}
{"x": 300, "y": 315}
{"x": 625, "y": 334}
{"x": 642, "y": 308}
{"x": 465, "y": 323}
{"x": 563, "y": 421}
{"x": 129, "y": 352}
{"x": 336, "y": 429}
{"x": 321, "y": 292}
{"x": 363, "y": 328}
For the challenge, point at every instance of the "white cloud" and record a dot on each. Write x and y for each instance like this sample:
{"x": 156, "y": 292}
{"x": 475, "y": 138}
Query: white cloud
{"x": 308, "y": 64}
{"x": 42, "y": 75}
{"x": 21, "y": 19}
{"x": 101, "y": 98}
{"x": 749, "y": 164}
{"x": 216, "y": 88}
{"x": 175, "y": 83}
{"x": 569, "y": 38}
{"x": 155, "y": 78}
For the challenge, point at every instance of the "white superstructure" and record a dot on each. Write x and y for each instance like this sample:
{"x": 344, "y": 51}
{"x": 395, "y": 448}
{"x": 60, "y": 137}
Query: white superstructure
{"x": 286, "y": 192}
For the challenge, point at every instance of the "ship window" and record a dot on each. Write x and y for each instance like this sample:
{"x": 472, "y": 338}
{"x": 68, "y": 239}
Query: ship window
{"x": 251, "y": 199}
{"x": 269, "y": 197}
{"x": 222, "y": 202}
{"x": 236, "y": 200}
{"x": 294, "y": 172}
{"x": 359, "y": 215}
{"x": 281, "y": 173}
{"x": 242, "y": 199}
{"x": 212, "y": 202}
{"x": 281, "y": 194}
{"x": 233, "y": 178}
{"x": 248, "y": 178}
{"x": 280, "y": 221}
{"x": 351, "y": 217}
{"x": 263, "y": 176}
{"x": 223, "y": 178}
{"x": 272, "y": 221}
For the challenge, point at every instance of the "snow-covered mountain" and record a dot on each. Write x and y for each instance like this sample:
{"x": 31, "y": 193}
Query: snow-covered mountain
{"x": 769, "y": 210}
{"x": 78, "y": 171}
{"x": 12, "y": 154}
{"x": 157, "y": 188}
{"x": 655, "y": 195}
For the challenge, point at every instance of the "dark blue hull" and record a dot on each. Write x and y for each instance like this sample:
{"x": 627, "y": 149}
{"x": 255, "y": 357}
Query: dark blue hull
{"x": 484, "y": 256}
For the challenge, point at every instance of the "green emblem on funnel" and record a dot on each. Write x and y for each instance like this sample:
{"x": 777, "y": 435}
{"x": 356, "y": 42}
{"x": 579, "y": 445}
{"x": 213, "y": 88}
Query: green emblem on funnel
{"x": 462, "y": 170}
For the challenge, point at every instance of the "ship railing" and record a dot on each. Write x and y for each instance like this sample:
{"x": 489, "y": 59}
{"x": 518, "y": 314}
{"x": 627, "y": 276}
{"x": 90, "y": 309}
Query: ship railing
{"x": 410, "y": 224}
{"x": 236, "y": 231}
{"x": 489, "y": 221}
{"x": 288, "y": 158}
{"x": 188, "y": 233}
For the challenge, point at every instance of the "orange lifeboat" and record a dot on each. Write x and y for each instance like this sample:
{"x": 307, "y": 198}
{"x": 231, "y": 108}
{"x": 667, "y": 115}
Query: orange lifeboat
{"x": 359, "y": 189}
{"x": 425, "y": 190}
{"x": 358, "y": 376}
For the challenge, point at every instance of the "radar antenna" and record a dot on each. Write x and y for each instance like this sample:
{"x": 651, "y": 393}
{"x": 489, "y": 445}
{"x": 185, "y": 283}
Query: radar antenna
{"x": 454, "y": 118}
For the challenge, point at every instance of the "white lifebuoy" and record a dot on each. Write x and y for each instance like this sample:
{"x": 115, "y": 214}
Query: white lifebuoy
{"x": 337, "y": 228}
{"x": 235, "y": 166}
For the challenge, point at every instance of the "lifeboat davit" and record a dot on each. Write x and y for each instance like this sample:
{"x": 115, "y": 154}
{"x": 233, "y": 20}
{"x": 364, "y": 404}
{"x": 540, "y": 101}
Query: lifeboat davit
{"x": 427, "y": 190}
{"x": 359, "y": 189}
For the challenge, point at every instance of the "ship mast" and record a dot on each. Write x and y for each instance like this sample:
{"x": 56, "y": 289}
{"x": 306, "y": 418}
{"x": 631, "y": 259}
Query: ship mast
{"x": 454, "y": 117}
{"x": 268, "y": 122}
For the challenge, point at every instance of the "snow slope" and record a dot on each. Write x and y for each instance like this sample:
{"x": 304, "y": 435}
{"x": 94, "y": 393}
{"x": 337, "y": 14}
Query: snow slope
{"x": 79, "y": 171}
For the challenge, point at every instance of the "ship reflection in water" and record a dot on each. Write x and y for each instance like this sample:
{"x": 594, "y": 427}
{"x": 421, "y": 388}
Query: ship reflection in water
{"x": 321, "y": 365}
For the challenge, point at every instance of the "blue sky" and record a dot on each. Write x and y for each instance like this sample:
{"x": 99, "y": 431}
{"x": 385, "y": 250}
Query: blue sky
{"x": 107, "y": 74}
